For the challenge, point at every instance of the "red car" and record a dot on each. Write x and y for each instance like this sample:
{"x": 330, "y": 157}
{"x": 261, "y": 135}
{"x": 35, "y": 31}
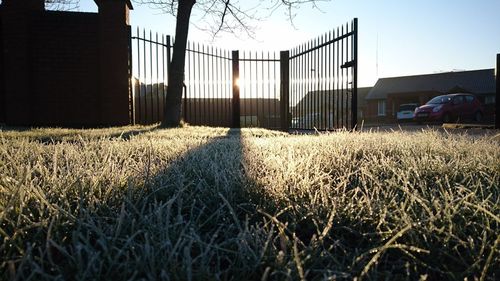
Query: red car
{"x": 450, "y": 108}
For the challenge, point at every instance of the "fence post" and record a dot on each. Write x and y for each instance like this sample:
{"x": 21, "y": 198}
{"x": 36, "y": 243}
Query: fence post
{"x": 236, "y": 89}
{"x": 354, "y": 103}
{"x": 130, "y": 78}
{"x": 497, "y": 112}
{"x": 113, "y": 34}
{"x": 2, "y": 90}
{"x": 284, "y": 89}
{"x": 169, "y": 46}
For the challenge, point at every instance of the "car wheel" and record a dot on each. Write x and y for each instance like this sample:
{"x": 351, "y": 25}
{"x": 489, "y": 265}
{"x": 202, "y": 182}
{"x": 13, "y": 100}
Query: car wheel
{"x": 478, "y": 116}
{"x": 446, "y": 118}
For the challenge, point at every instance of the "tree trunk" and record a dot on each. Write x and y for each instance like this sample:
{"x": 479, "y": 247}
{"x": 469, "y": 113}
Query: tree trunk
{"x": 172, "y": 114}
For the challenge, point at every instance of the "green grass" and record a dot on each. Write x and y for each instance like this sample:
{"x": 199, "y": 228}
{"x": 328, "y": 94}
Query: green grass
{"x": 216, "y": 204}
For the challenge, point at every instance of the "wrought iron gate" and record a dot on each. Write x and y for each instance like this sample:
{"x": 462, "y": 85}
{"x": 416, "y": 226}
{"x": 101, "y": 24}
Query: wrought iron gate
{"x": 313, "y": 86}
{"x": 323, "y": 72}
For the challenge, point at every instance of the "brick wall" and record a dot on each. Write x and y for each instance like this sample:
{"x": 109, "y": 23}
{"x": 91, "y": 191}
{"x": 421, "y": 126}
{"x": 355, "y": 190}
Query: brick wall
{"x": 2, "y": 64}
{"x": 65, "y": 68}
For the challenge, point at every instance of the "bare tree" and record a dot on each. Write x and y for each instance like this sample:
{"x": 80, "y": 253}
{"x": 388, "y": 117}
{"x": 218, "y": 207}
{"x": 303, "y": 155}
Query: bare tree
{"x": 217, "y": 16}
{"x": 62, "y": 4}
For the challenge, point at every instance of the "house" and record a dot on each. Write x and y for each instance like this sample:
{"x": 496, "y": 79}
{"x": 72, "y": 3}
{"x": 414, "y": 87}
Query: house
{"x": 383, "y": 100}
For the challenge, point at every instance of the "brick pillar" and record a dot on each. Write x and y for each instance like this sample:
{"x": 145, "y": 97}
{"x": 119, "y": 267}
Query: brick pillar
{"x": 114, "y": 38}
{"x": 17, "y": 71}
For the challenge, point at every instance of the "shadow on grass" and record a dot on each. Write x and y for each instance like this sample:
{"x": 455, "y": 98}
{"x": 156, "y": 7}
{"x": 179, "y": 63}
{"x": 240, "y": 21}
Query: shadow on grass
{"x": 189, "y": 221}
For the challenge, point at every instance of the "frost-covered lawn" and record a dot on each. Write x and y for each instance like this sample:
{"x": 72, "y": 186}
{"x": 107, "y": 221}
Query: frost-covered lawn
{"x": 200, "y": 203}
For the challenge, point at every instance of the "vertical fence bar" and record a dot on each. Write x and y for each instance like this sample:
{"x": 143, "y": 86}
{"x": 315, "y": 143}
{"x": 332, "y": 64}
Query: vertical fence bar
{"x": 250, "y": 90}
{"x": 195, "y": 84}
{"x": 292, "y": 87}
{"x": 270, "y": 100}
{"x": 262, "y": 95}
{"x": 198, "y": 80}
{"x": 204, "y": 81}
{"x": 163, "y": 76}
{"x": 284, "y": 88}
{"x": 151, "y": 73}
{"x": 354, "y": 104}
{"x": 225, "y": 88}
{"x": 347, "y": 58}
{"x": 317, "y": 111}
{"x": 188, "y": 99}
{"x": 211, "y": 91}
{"x": 328, "y": 83}
{"x": 157, "y": 81}
{"x": 256, "y": 89}
{"x": 321, "y": 84}
{"x": 277, "y": 92}
{"x": 255, "y": 100}
{"x": 168, "y": 61}
{"x": 145, "y": 79}
{"x": 169, "y": 46}
{"x": 337, "y": 76}
{"x": 229, "y": 93}
{"x": 215, "y": 63}
{"x": 308, "y": 86}
{"x": 248, "y": 87}
{"x": 242, "y": 83}
{"x": 497, "y": 95}
{"x": 342, "y": 59}
{"x": 138, "y": 97}
{"x": 304, "y": 124}
{"x": 236, "y": 89}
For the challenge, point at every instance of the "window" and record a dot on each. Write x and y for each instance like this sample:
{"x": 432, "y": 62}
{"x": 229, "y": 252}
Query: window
{"x": 469, "y": 99}
{"x": 458, "y": 100}
{"x": 381, "y": 108}
{"x": 489, "y": 100}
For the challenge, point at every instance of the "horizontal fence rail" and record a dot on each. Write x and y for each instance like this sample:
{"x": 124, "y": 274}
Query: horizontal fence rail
{"x": 312, "y": 86}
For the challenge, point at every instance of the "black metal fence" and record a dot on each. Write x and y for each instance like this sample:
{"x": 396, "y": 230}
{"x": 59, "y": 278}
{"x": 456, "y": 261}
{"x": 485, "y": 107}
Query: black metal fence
{"x": 313, "y": 86}
{"x": 150, "y": 67}
{"x": 208, "y": 79}
{"x": 259, "y": 88}
{"x": 324, "y": 81}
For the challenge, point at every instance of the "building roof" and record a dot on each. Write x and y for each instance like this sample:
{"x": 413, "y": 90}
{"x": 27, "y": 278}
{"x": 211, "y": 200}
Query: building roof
{"x": 314, "y": 97}
{"x": 475, "y": 81}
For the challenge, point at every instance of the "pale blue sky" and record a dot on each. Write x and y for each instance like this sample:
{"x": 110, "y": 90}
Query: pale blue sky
{"x": 414, "y": 37}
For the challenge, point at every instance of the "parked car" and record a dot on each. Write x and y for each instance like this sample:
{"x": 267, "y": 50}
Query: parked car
{"x": 406, "y": 112}
{"x": 450, "y": 108}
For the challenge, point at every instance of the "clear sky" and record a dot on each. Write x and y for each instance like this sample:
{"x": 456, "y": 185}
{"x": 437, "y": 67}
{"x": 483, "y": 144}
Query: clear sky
{"x": 405, "y": 37}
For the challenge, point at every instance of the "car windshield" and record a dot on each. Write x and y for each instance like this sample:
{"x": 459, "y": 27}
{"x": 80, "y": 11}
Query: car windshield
{"x": 407, "y": 107}
{"x": 440, "y": 100}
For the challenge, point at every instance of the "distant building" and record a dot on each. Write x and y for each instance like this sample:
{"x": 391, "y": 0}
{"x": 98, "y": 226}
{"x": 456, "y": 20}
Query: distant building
{"x": 383, "y": 100}
{"x": 321, "y": 108}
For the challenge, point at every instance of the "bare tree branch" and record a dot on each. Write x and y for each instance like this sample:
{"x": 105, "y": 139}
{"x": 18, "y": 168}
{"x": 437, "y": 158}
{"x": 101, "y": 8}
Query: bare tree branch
{"x": 232, "y": 16}
{"x": 62, "y": 5}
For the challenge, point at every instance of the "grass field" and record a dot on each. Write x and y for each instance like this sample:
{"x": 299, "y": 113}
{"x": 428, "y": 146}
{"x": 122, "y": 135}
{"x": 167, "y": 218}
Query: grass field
{"x": 200, "y": 203}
